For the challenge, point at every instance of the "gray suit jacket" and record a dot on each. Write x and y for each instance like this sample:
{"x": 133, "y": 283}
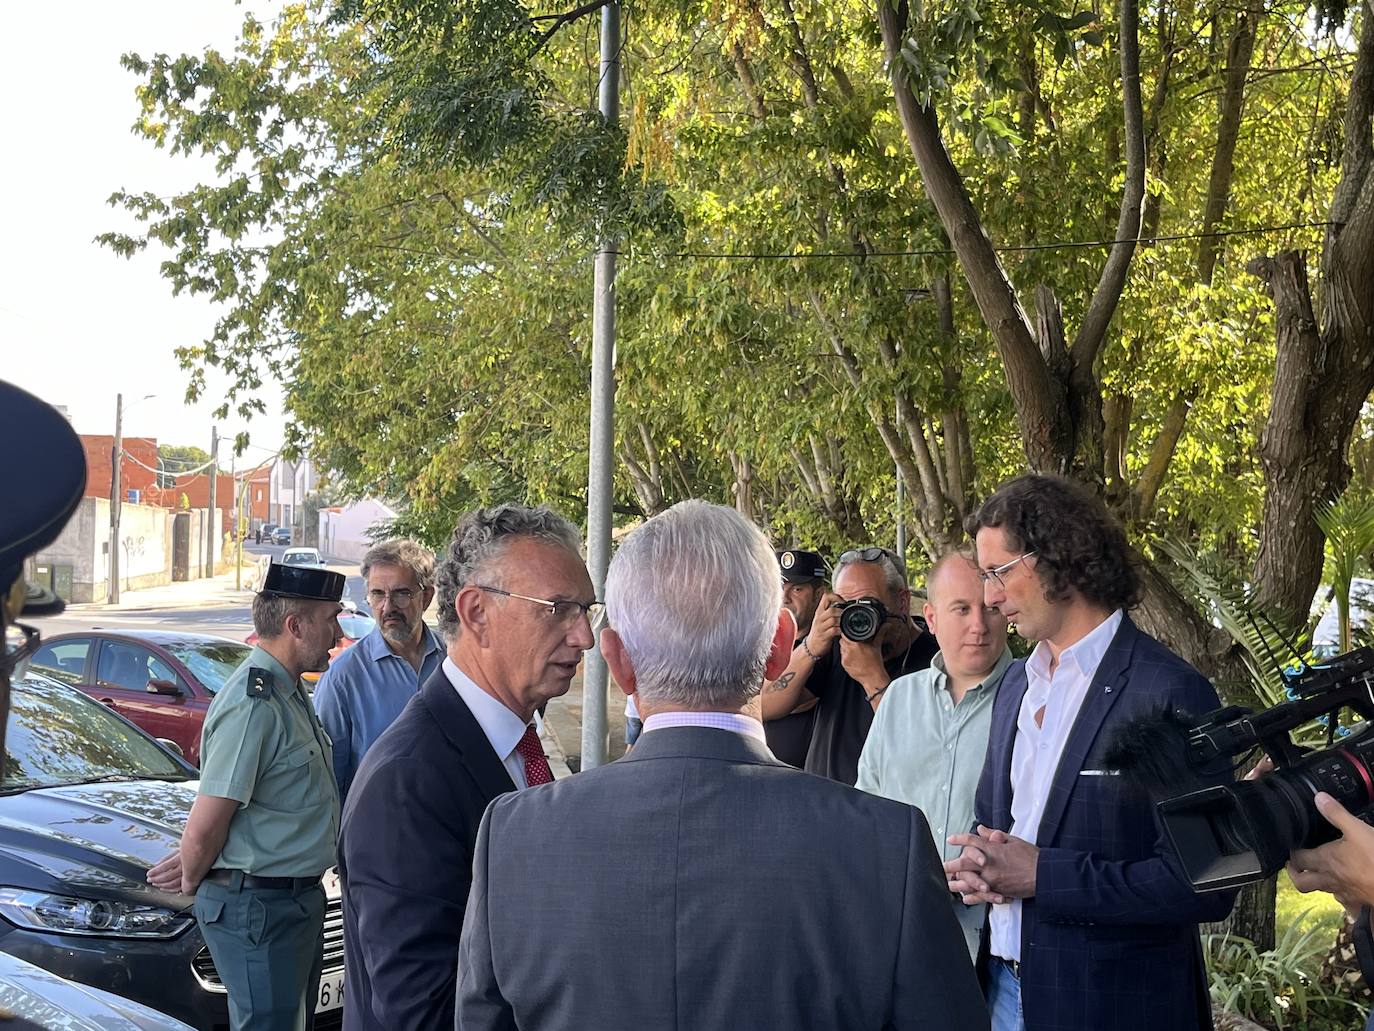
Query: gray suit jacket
{"x": 702, "y": 884}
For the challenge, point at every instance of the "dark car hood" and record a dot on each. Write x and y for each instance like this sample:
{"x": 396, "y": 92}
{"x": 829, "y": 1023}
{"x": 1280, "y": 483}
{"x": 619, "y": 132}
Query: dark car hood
{"x": 94, "y": 836}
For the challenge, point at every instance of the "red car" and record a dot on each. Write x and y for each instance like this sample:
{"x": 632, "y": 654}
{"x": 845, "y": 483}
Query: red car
{"x": 161, "y": 681}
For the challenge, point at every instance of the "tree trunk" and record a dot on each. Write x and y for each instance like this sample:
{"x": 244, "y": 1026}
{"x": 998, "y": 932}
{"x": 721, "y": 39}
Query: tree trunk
{"x": 1253, "y": 915}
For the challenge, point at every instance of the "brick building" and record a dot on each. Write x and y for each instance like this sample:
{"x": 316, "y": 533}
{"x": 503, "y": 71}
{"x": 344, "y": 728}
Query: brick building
{"x": 132, "y": 475}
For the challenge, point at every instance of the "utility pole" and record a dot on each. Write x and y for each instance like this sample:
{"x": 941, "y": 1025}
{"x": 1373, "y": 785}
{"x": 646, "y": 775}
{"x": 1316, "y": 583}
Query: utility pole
{"x": 600, "y": 466}
{"x": 116, "y": 456}
{"x": 211, "y": 530}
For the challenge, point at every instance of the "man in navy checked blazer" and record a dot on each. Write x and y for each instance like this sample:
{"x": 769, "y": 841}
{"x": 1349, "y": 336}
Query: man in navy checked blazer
{"x": 1092, "y": 925}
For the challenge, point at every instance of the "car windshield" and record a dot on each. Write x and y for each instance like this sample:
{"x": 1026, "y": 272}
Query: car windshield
{"x": 356, "y": 626}
{"x": 301, "y": 558}
{"x": 210, "y": 662}
{"x": 59, "y": 736}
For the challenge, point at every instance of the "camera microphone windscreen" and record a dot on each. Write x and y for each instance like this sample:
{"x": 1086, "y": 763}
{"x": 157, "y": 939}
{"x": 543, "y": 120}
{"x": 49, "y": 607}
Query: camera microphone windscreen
{"x": 1151, "y": 754}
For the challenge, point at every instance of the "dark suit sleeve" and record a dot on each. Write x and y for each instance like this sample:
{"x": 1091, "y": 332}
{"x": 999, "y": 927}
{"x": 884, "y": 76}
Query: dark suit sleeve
{"x": 408, "y": 873}
{"x": 934, "y": 985}
{"x": 480, "y": 1005}
{"x": 1081, "y": 887}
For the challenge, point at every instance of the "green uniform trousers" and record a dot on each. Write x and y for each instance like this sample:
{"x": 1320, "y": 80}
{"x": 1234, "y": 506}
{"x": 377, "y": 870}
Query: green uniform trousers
{"x": 267, "y": 946}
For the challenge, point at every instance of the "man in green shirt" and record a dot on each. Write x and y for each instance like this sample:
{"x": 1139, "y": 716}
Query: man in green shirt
{"x": 930, "y": 735}
{"x": 265, "y": 823}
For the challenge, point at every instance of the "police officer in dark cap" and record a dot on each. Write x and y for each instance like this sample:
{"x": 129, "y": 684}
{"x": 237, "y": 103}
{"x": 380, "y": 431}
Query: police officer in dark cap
{"x": 266, "y": 819}
{"x": 803, "y": 586}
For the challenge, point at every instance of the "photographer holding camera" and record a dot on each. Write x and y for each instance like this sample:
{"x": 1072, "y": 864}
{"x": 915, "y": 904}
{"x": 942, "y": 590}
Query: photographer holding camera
{"x": 862, "y": 638}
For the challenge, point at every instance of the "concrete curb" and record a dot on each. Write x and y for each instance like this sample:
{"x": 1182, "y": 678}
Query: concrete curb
{"x": 553, "y": 750}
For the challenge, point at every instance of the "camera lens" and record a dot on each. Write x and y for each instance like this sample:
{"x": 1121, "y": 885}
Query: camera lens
{"x": 859, "y": 623}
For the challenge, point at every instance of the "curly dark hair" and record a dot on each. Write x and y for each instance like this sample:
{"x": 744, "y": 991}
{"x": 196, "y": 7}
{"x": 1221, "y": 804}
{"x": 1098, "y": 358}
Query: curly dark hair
{"x": 1076, "y": 541}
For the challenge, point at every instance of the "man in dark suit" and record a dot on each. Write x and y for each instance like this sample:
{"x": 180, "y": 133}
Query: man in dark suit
{"x": 516, "y": 608}
{"x": 1093, "y": 925}
{"x": 700, "y": 882}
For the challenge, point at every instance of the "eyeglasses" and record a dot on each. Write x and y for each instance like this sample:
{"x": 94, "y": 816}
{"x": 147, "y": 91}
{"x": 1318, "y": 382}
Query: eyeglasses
{"x": 996, "y": 573}
{"x": 563, "y": 611}
{"x": 872, "y": 555}
{"x": 399, "y": 596}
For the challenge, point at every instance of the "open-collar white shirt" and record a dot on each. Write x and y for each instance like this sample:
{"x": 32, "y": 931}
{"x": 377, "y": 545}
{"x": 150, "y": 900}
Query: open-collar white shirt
{"x": 1038, "y": 748}
{"x": 503, "y": 728}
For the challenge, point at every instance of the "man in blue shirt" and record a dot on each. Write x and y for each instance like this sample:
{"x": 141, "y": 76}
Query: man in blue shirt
{"x": 369, "y": 684}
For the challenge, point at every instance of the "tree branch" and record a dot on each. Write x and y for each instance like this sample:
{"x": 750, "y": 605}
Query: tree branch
{"x": 1092, "y": 332}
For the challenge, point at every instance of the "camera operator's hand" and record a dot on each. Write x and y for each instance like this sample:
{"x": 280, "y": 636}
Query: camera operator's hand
{"x": 864, "y": 662}
{"x": 1344, "y": 867}
{"x": 825, "y": 627}
{"x": 1265, "y": 765}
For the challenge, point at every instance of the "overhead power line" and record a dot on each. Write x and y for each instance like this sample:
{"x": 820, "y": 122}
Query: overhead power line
{"x": 933, "y": 252}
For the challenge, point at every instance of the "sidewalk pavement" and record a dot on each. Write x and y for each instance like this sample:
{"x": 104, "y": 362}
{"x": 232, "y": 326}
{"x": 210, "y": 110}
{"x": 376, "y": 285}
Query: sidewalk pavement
{"x": 215, "y": 591}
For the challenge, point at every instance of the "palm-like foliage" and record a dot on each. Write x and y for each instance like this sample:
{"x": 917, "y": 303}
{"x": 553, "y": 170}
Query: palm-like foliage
{"x": 1266, "y": 647}
{"x": 1348, "y": 523}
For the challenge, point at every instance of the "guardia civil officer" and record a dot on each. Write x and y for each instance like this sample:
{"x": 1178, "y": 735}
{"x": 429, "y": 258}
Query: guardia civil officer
{"x": 264, "y": 824}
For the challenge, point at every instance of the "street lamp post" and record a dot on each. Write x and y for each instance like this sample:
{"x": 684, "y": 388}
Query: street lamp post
{"x": 117, "y": 494}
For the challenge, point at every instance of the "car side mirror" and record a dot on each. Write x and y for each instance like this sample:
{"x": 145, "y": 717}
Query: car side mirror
{"x": 159, "y": 686}
{"x": 171, "y": 746}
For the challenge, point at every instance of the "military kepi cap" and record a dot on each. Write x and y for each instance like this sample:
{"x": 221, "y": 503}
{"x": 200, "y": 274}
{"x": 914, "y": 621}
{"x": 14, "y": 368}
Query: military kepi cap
{"x": 802, "y": 566}
{"x": 309, "y": 582}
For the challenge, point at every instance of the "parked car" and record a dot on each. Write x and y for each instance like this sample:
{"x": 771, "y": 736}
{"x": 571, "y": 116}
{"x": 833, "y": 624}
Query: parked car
{"x": 267, "y": 529}
{"x": 163, "y": 681}
{"x": 354, "y": 626}
{"x": 302, "y": 557}
{"x": 88, "y": 802}
{"x": 355, "y": 593}
{"x": 281, "y": 535}
{"x": 43, "y": 999}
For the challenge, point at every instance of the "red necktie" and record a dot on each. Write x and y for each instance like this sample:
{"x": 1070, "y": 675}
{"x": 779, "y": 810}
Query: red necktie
{"x": 536, "y": 765}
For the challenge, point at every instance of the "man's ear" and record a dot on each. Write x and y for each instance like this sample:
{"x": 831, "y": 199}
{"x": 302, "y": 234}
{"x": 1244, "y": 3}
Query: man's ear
{"x": 428, "y": 594}
{"x": 904, "y": 602}
{"x": 293, "y": 623}
{"x": 618, "y": 660}
{"x": 784, "y": 639}
{"x": 928, "y": 611}
{"x": 471, "y": 608}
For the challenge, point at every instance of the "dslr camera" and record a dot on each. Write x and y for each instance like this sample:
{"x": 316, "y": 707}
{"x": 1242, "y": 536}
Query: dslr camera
{"x": 862, "y": 618}
{"x": 1231, "y": 834}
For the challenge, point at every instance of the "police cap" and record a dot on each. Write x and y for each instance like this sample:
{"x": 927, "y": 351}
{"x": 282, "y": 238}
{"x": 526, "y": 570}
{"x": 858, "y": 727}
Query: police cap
{"x": 43, "y": 466}
{"x": 800, "y": 567}
{"x": 310, "y": 582}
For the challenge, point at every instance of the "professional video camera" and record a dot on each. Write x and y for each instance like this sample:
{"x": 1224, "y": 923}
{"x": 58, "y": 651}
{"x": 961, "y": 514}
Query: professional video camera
{"x": 1228, "y": 835}
{"x": 862, "y": 618}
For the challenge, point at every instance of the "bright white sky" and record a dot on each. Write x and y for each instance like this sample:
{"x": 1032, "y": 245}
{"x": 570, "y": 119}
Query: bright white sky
{"x": 78, "y": 323}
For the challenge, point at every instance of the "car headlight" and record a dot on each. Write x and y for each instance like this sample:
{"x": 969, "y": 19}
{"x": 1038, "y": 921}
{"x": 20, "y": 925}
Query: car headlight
{"x": 106, "y": 918}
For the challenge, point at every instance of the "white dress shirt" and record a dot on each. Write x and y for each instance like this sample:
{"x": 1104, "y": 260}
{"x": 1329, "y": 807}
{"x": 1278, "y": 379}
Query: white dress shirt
{"x": 734, "y": 722}
{"x": 503, "y": 728}
{"x": 1037, "y": 750}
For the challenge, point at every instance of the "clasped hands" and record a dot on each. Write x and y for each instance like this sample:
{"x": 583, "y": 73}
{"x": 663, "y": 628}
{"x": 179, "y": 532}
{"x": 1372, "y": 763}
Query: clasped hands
{"x": 994, "y": 867}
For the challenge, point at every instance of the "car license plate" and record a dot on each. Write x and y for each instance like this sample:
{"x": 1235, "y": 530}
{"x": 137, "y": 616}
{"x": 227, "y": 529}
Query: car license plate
{"x": 331, "y": 992}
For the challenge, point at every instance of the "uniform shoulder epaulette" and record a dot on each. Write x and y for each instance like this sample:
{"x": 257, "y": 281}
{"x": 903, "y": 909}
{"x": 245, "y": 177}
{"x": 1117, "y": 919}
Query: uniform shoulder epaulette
{"x": 259, "y": 682}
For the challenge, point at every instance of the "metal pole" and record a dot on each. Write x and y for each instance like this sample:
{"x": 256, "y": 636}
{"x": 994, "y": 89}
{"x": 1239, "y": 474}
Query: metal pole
{"x": 600, "y": 467}
{"x": 116, "y": 456}
{"x": 211, "y": 530}
{"x": 240, "y": 524}
{"x": 901, "y": 504}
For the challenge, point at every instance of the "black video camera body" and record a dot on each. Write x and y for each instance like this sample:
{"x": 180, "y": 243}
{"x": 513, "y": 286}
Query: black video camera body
{"x": 1232, "y": 834}
{"x": 862, "y": 618}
